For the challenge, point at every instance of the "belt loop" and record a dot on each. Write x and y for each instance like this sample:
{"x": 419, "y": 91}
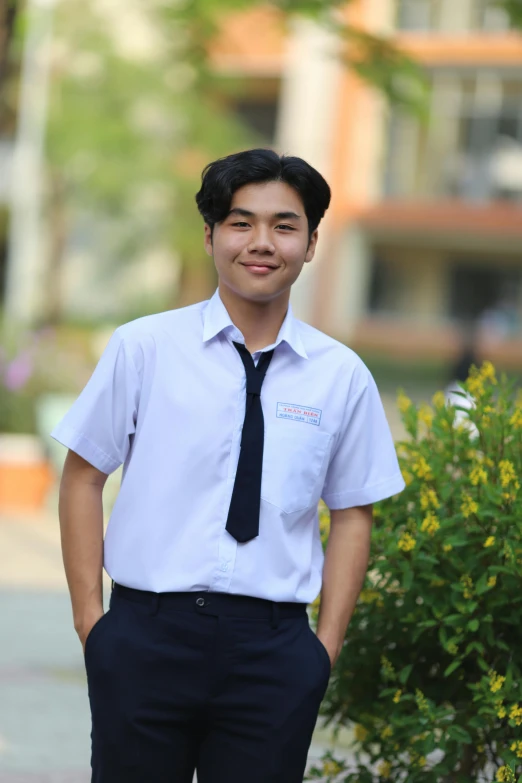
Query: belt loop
{"x": 274, "y": 622}
{"x": 154, "y": 603}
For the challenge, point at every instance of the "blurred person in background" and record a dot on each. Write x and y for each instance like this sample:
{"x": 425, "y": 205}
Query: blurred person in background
{"x": 232, "y": 419}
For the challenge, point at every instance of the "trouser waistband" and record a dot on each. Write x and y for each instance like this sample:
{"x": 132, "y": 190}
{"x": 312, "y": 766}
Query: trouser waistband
{"x": 206, "y": 602}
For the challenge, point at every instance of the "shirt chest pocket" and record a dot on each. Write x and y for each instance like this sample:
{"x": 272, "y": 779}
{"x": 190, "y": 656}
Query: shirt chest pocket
{"x": 294, "y": 466}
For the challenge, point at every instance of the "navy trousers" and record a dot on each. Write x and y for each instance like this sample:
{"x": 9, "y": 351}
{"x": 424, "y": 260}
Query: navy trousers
{"x": 226, "y": 685}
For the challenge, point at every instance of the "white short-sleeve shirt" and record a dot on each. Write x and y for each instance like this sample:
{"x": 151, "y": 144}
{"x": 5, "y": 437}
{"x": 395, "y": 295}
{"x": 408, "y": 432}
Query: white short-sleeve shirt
{"x": 167, "y": 400}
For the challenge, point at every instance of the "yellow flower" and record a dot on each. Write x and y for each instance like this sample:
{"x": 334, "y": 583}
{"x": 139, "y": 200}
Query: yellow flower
{"x": 516, "y": 748}
{"x": 511, "y": 496}
{"x": 452, "y": 648}
{"x": 331, "y": 768}
{"x": 475, "y": 386}
{"x": 507, "y": 472}
{"x": 478, "y": 476}
{"x": 467, "y": 583}
{"x": 360, "y": 733}
{"x": 421, "y": 700}
{"x": 515, "y": 713}
{"x": 426, "y": 415}
{"x": 387, "y": 666}
{"x": 516, "y": 419}
{"x": 487, "y": 372}
{"x": 428, "y": 498}
{"x": 447, "y": 547}
{"x": 501, "y": 712}
{"x": 422, "y": 469}
{"x": 505, "y": 775}
{"x": 408, "y": 478}
{"x": 368, "y": 596}
{"x": 492, "y": 581}
{"x": 384, "y": 769}
{"x": 490, "y": 540}
{"x": 495, "y": 681}
{"x": 439, "y": 400}
{"x": 403, "y": 402}
{"x": 430, "y": 524}
{"x": 469, "y": 506}
{"x": 397, "y": 696}
{"x": 406, "y": 542}
{"x": 421, "y": 761}
{"x": 387, "y": 732}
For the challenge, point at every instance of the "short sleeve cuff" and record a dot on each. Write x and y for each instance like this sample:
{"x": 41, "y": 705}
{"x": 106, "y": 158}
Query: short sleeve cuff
{"x": 81, "y": 445}
{"x": 367, "y": 495}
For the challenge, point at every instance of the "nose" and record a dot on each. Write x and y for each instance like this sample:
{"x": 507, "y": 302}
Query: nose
{"x": 261, "y": 242}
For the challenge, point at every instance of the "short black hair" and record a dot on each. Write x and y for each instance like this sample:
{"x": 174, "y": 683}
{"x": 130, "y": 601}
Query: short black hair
{"x": 221, "y": 178}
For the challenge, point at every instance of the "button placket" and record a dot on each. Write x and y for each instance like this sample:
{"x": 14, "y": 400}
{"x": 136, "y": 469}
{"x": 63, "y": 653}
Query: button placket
{"x": 226, "y": 557}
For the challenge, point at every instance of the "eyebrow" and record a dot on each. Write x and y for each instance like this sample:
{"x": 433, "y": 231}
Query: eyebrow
{"x": 278, "y": 215}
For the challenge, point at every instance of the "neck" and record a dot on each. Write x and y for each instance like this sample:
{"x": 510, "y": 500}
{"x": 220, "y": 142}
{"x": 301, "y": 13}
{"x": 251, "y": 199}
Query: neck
{"x": 258, "y": 322}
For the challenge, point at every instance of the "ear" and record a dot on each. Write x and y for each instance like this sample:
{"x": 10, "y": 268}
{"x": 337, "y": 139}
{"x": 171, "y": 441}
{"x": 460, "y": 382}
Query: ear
{"x": 311, "y": 246}
{"x": 208, "y": 240}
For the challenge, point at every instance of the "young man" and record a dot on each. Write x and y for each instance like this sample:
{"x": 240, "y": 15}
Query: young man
{"x": 232, "y": 419}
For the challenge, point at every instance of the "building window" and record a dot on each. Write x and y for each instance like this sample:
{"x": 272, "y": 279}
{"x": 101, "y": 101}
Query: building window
{"x": 448, "y": 16}
{"x": 486, "y": 294}
{"x": 472, "y": 148}
{"x": 260, "y": 115}
{"x": 255, "y": 101}
{"x": 388, "y": 284}
{"x": 417, "y": 15}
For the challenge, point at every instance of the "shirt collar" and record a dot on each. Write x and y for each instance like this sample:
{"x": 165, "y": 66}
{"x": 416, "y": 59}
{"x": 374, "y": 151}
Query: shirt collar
{"x": 216, "y": 319}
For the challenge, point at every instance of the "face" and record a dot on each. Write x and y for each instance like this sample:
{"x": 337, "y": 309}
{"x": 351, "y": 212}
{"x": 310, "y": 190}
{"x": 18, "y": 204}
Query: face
{"x": 260, "y": 247}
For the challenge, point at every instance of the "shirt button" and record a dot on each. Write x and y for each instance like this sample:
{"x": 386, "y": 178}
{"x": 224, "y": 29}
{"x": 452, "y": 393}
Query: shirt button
{"x": 200, "y": 602}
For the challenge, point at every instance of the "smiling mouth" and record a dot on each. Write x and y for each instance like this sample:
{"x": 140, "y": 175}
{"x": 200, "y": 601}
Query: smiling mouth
{"x": 255, "y": 267}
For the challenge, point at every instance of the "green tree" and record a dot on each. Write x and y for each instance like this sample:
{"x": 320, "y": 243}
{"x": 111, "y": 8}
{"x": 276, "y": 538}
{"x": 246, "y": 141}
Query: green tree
{"x": 127, "y": 139}
{"x": 126, "y": 132}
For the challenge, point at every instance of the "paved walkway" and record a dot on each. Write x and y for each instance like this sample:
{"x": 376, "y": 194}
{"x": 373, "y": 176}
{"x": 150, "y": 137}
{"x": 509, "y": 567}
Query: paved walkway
{"x": 44, "y": 714}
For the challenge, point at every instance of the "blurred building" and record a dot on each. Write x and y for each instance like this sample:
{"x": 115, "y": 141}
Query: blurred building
{"x": 425, "y": 229}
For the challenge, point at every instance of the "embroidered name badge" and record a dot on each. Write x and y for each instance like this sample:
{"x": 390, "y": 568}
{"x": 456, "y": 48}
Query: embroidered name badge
{"x": 299, "y": 413}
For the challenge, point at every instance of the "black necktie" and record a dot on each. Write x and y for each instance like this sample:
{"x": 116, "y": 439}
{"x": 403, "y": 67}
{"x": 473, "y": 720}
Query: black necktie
{"x": 243, "y": 515}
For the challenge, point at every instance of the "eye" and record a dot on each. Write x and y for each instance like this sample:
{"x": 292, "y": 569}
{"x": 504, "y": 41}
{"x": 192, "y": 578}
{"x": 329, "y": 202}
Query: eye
{"x": 288, "y": 228}
{"x": 241, "y": 224}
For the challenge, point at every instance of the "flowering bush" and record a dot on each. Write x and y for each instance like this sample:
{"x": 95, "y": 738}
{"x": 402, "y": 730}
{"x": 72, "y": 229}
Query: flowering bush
{"x": 38, "y": 362}
{"x": 431, "y": 669}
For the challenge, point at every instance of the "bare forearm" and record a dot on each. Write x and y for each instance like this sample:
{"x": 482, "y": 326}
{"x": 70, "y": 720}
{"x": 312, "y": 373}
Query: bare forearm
{"x": 345, "y": 566}
{"x": 81, "y": 527}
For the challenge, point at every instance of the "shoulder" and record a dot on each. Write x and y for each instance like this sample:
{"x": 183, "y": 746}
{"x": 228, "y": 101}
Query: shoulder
{"x": 156, "y": 324}
{"x": 140, "y": 337}
{"x": 342, "y": 359}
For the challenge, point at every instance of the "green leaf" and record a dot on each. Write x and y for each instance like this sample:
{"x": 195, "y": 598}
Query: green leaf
{"x": 407, "y": 579}
{"x": 452, "y": 619}
{"x": 460, "y": 734}
{"x": 475, "y": 646}
{"x": 405, "y": 673}
{"x": 473, "y": 625}
{"x": 451, "y": 668}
